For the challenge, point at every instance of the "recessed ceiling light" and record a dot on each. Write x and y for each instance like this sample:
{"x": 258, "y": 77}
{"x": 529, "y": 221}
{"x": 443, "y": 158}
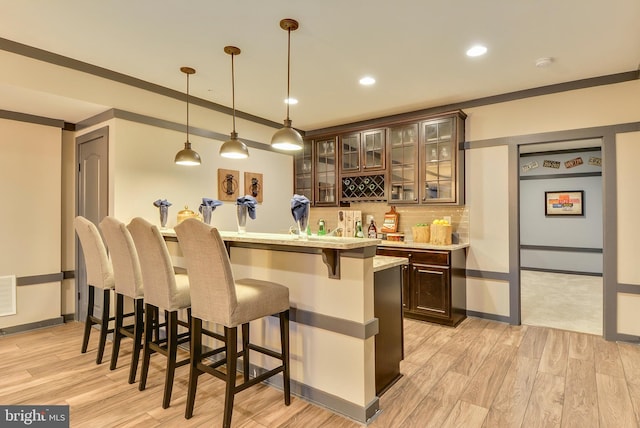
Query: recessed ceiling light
{"x": 367, "y": 81}
{"x": 477, "y": 50}
{"x": 291, "y": 101}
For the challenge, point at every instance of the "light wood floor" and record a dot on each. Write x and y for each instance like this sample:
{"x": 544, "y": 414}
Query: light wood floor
{"x": 481, "y": 374}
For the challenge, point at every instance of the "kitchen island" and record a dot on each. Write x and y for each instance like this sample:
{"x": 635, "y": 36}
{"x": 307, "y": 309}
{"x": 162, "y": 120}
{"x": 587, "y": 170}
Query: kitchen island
{"x": 333, "y": 320}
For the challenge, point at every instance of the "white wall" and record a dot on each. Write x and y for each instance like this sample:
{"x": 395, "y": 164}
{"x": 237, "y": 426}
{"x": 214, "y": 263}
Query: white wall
{"x": 30, "y": 170}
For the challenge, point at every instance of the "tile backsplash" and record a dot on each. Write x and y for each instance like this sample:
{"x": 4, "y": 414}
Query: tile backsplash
{"x": 410, "y": 215}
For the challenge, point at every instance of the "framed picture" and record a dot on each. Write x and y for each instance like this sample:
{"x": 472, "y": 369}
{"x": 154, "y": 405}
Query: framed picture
{"x": 565, "y": 202}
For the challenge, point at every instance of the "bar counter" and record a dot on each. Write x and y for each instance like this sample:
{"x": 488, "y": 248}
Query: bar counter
{"x": 333, "y": 321}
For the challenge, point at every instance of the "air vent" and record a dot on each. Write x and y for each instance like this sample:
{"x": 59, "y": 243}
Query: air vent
{"x": 7, "y": 295}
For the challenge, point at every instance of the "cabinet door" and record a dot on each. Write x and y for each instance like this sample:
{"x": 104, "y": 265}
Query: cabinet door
{"x": 373, "y": 149}
{"x": 350, "y": 152}
{"x": 303, "y": 171}
{"x": 403, "y": 163}
{"x": 439, "y": 151}
{"x": 326, "y": 174}
{"x": 431, "y": 290}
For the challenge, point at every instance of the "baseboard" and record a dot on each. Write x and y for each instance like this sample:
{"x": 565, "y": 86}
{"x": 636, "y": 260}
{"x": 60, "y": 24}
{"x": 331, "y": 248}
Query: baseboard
{"x": 31, "y": 326}
{"x": 486, "y": 316}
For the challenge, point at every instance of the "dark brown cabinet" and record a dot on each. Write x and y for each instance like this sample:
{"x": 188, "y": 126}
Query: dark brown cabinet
{"x": 403, "y": 163}
{"x": 363, "y": 151}
{"x": 326, "y": 172}
{"x": 315, "y": 172}
{"x": 434, "y": 284}
{"x": 416, "y": 160}
{"x": 442, "y": 160}
{"x": 303, "y": 171}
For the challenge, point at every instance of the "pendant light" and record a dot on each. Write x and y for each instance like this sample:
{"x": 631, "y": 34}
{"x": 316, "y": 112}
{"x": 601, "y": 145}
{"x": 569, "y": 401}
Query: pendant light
{"x": 187, "y": 156}
{"x": 233, "y": 148}
{"x": 287, "y": 138}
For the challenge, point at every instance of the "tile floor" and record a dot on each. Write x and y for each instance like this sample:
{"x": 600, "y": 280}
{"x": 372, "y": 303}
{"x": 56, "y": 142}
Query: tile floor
{"x": 567, "y": 302}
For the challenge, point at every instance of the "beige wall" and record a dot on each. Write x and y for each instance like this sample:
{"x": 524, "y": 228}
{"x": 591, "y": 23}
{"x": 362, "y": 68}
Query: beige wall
{"x": 628, "y": 204}
{"x": 142, "y": 171}
{"x": 486, "y": 179}
{"x": 30, "y": 171}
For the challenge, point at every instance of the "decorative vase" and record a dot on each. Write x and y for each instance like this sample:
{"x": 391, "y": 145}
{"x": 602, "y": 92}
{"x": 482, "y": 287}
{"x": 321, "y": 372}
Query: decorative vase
{"x": 241, "y": 211}
{"x": 164, "y": 214}
{"x": 303, "y": 223}
{"x": 206, "y": 214}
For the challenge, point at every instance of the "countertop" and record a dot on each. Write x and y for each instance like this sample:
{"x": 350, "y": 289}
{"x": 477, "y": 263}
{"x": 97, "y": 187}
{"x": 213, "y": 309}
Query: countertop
{"x": 387, "y": 262}
{"x": 409, "y": 245}
{"x": 314, "y": 241}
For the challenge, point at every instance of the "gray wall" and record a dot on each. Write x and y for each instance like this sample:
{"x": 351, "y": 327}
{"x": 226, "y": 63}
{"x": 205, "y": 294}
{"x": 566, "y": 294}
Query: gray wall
{"x": 576, "y": 240}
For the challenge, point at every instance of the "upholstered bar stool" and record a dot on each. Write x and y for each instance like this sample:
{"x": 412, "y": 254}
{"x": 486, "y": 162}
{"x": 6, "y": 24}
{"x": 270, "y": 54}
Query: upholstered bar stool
{"x": 163, "y": 289}
{"x": 99, "y": 275}
{"x": 217, "y": 297}
{"x": 128, "y": 279}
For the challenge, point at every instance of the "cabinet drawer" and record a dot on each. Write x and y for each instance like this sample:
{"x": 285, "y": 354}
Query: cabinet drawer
{"x": 429, "y": 257}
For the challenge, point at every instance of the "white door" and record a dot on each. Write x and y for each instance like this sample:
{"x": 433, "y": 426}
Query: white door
{"x": 92, "y": 188}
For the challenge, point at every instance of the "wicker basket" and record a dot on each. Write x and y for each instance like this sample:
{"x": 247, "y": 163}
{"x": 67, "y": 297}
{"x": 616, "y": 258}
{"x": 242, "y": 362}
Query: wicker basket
{"x": 440, "y": 234}
{"x": 421, "y": 234}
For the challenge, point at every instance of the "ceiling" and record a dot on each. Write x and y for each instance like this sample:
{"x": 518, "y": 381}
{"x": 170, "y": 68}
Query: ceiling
{"x": 414, "y": 49}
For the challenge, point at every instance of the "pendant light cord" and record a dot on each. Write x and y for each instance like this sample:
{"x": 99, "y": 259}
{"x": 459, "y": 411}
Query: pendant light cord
{"x": 187, "y": 107}
{"x": 233, "y": 93}
{"x": 288, "y": 70}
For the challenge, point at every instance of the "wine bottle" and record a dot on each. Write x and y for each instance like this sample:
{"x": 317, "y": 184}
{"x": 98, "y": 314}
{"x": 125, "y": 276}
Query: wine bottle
{"x": 372, "y": 232}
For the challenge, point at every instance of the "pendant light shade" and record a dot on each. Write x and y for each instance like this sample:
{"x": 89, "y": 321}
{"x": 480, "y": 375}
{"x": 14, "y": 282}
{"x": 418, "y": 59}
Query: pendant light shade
{"x": 287, "y": 138}
{"x": 233, "y": 148}
{"x": 187, "y": 156}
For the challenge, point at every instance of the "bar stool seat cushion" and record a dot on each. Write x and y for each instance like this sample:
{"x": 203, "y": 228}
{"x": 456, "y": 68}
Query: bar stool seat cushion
{"x": 257, "y": 299}
{"x": 221, "y": 298}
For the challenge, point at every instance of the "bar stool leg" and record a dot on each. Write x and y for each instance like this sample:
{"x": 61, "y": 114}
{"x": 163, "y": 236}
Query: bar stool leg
{"x": 245, "y": 351}
{"x": 150, "y": 322}
{"x": 138, "y": 329}
{"x": 117, "y": 335}
{"x": 284, "y": 340}
{"x": 194, "y": 372}
{"x": 104, "y": 325}
{"x": 172, "y": 352}
{"x": 231, "y": 335}
{"x": 88, "y": 322}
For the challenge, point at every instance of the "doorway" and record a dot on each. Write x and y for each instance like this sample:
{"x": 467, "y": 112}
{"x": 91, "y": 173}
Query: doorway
{"x": 92, "y": 187}
{"x": 561, "y": 235}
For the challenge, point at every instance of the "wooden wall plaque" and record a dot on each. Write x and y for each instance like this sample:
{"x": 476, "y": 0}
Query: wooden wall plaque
{"x": 253, "y": 185}
{"x": 228, "y": 184}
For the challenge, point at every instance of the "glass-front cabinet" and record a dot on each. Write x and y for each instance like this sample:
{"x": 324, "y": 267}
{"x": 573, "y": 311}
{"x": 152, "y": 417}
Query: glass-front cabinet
{"x": 403, "y": 163}
{"x": 326, "y": 172}
{"x": 363, "y": 151}
{"x": 415, "y": 160}
{"x": 442, "y": 161}
{"x": 303, "y": 171}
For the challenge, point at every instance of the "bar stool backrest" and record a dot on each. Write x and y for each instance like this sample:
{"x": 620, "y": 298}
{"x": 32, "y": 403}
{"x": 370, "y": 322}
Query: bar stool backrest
{"x": 155, "y": 265}
{"x": 124, "y": 257}
{"x": 99, "y": 270}
{"x": 213, "y": 291}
